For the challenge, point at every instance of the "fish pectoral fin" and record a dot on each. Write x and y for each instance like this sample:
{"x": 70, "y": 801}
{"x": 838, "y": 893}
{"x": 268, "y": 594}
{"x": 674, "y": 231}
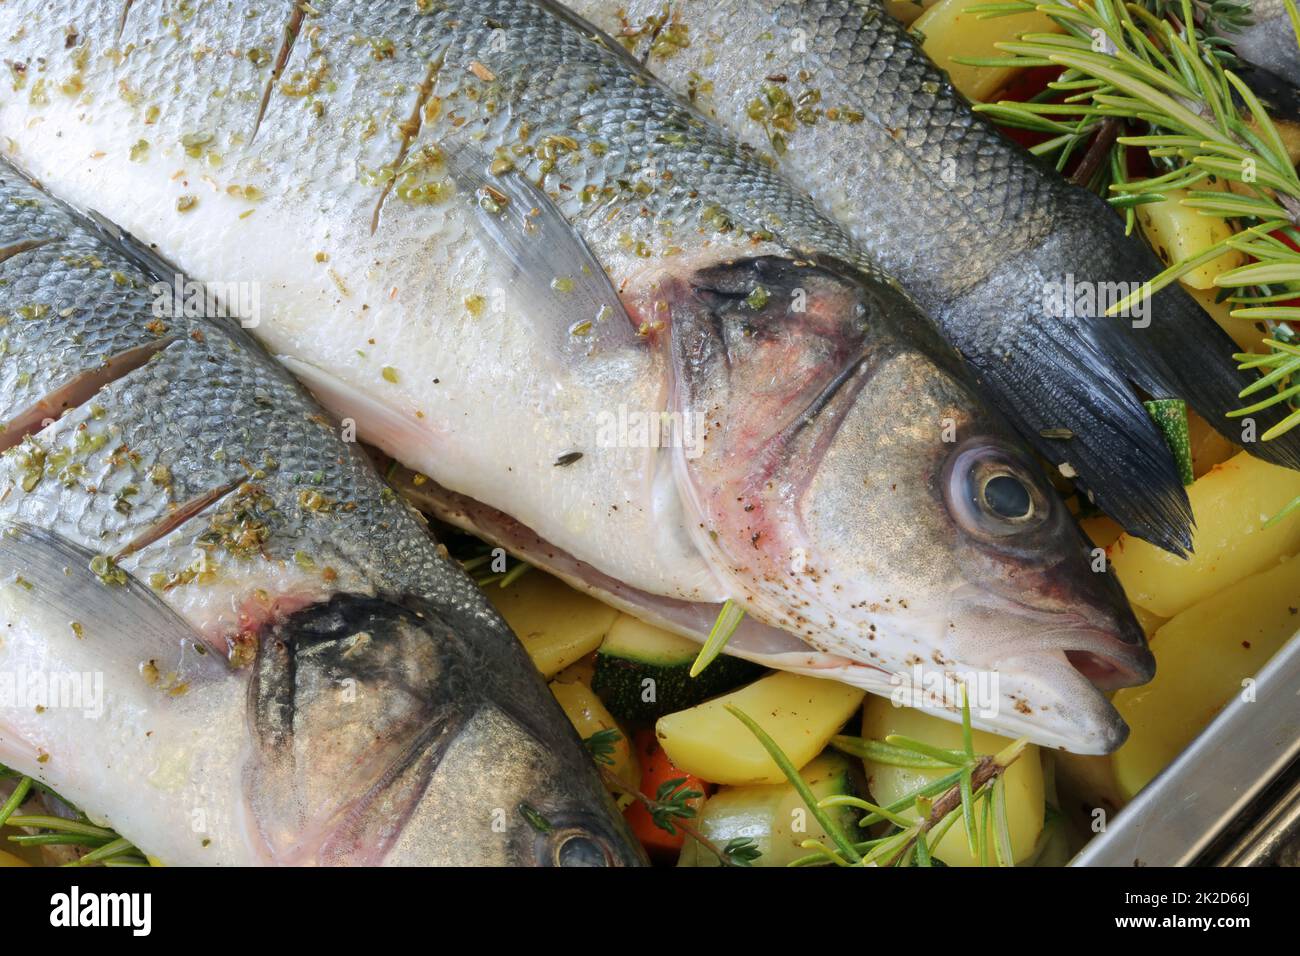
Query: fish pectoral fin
{"x": 70, "y": 593}
{"x": 568, "y": 292}
{"x": 141, "y": 253}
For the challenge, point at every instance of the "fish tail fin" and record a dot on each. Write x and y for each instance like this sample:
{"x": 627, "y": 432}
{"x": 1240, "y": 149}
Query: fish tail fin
{"x": 1076, "y": 403}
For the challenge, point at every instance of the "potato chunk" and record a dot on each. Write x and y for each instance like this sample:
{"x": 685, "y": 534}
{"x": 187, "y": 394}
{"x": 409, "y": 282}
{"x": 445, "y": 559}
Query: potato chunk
{"x": 1024, "y": 779}
{"x": 948, "y": 29}
{"x": 800, "y": 713}
{"x": 1202, "y": 657}
{"x": 556, "y": 624}
{"x": 1232, "y": 502}
{"x": 589, "y": 717}
{"x": 1177, "y": 232}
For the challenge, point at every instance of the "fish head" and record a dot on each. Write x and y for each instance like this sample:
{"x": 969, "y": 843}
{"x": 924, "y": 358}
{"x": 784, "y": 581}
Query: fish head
{"x": 383, "y": 732}
{"x": 851, "y": 488}
{"x": 534, "y": 806}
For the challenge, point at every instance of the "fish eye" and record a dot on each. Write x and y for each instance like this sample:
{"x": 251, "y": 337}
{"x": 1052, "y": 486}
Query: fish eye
{"x": 1007, "y": 497}
{"x": 991, "y": 492}
{"x": 576, "y": 849}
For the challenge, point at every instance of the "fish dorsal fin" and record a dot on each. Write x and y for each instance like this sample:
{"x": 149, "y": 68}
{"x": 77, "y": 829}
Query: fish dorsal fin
{"x": 566, "y": 288}
{"x": 53, "y": 586}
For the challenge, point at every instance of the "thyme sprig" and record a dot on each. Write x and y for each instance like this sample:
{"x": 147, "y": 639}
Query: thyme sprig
{"x": 669, "y": 810}
{"x": 1215, "y": 20}
{"x": 670, "y": 807}
{"x": 601, "y": 746}
{"x": 481, "y": 566}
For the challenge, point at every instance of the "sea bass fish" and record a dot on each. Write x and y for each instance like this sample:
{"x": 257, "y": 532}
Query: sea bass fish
{"x": 1015, "y": 264}
{"x": 509, "y": 255}
{"x": 224, "y": 636}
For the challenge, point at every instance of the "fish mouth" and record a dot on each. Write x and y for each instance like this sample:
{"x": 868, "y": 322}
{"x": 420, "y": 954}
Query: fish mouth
{"x": 1112, "y": 650}
{"x": 1110, "y": 672}
{"x": 1055, "y": 669}
{"x": 1109, "y": 657}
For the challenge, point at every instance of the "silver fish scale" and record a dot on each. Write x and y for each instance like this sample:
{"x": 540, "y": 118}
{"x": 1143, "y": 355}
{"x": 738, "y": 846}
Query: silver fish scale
{"x": 208, "y": 412}
{"x": 357, "y": 69}
{"x": 46, "y": 291}
{"x": 927, "y": 134}
{"x": 488, "y": 53}
{"x": 593, "y": 95}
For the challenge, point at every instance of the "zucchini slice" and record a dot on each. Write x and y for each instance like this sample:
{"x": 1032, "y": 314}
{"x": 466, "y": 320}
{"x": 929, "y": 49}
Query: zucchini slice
{"x": 643, "y": 672}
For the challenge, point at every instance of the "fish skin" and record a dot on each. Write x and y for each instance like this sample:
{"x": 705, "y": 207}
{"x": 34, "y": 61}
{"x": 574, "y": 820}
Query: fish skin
{"x": 975, "y": 228}
{"x": 427, "y": 298}
{"x": 1269, "y": 42}
{"x": 378, "y": 708}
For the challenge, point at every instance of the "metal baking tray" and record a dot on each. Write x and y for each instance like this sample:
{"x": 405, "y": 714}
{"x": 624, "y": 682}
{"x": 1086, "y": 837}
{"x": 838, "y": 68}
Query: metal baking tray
{"x": 1232, "y": 798}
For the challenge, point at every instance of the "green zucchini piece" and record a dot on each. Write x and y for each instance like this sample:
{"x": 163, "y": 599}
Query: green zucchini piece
{"x": 644, "y": 672}
{"x": 1170, "y": 416}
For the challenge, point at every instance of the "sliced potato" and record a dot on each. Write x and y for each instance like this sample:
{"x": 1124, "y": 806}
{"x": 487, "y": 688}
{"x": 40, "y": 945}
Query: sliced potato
{"x": 1247, "y": 335}
{"x": 1209, "y": 448}
{"x": 1024, "y": 779}
{"x": 1054, "y": 843}
{"x": 589, "y": 717}
{"x": 580, "y": 672}
{"x": 1177, "y": 232}
{"x": 8, "y": 859}
{"x": 1101, "y": 530}
{"x": 1231, "y": 502}
{"x": 1088, "y": 782}
{"x": 800, "y": 713}
{"x": 775, "y": 817}
{"x": 1202, "y": 657}
{"x": 556, "y": 624}
{"x": 948, "y": 30}
{"x": 906, "y": 11}
{"x": 1150, "y": 622}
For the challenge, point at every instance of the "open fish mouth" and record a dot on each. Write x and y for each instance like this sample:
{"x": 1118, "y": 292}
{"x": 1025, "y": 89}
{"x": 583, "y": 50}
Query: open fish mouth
{"x": 1108, "y": 672}
{"x": 1110, "y": 656}
{"x": 1110, "y": 664}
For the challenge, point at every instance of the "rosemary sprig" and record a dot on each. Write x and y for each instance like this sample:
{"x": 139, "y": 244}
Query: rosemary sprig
{"x": 724, "y": 626}
{"x": 15, "y": 799}
{"x": 1159, "y": 69}
{"x": 837, "y": 835}
{"x": 105, "y": 845}
{"x": 971, "y": 787}
{"x": 882, "y": 752}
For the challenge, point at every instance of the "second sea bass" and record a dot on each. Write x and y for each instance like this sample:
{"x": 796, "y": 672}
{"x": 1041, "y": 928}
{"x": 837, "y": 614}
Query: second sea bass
{"x": 252, "y": 652}
{"x": 1009, "y": 258}
{"x": 504, "y": 251}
